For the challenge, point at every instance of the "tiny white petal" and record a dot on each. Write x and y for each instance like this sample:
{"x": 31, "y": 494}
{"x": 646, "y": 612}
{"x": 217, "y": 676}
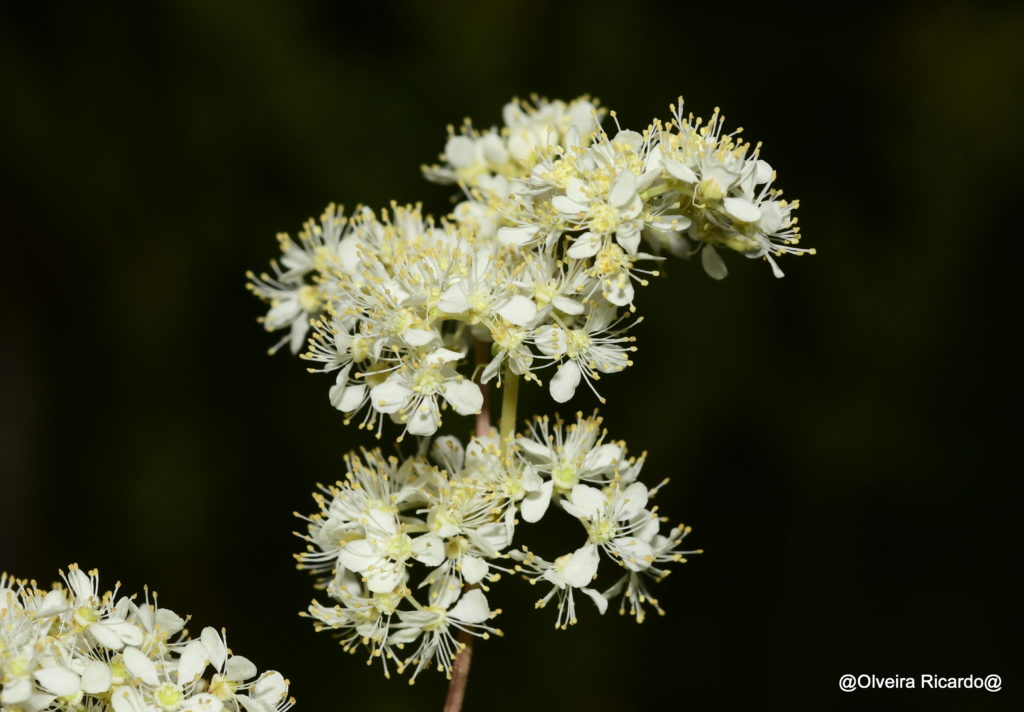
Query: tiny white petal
{"x": 586, "y": 245}
{"x": 582, "y": 565}
{"x": 464, "y": 396}
{"x": 587, "y": 501}
{"x": 600, "y": 601}
{"x": 516, "y": 235}
{"x": 713, "y": 263}
{"x": 742, "y": 210}
{"x": 192, "y": 662}
{"x": 471, "y": 608}
{"x": 563, "y": 383}
{"x": 139, "y": 665}
{"x": 428, "y": 549}
{"x": 535, "y": 503}
{"x": 473, "y": 568}
{"x": 96, "y": 678}
{"x": 216, "y": 650}
{"x": 518, "y": 310}
{"x": 239, "y": 668}
{"x": 58, "y": 680}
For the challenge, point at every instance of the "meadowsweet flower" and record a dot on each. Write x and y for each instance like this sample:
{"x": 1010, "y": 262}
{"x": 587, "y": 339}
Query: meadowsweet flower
{"x": 537, "y": 273}
{"x": 74, "y": 648}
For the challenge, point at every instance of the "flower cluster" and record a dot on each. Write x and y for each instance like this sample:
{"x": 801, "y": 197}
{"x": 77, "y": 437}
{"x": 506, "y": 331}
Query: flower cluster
{"x": 73, "y": 648}
{"x": 535, "y": 268}
{"x": 539, "y": 262}
{"x": 408, "y": 550}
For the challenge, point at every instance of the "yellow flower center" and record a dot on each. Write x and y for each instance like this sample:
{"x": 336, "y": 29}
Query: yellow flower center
{"x": 309, "y": 299}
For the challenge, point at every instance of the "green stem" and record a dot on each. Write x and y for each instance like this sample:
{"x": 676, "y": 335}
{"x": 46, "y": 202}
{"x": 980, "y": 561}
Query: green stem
{"x": 509, "y": 399}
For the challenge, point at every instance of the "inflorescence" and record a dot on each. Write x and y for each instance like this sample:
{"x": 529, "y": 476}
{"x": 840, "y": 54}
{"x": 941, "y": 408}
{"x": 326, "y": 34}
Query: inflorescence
{"x": 536, "y": 268}
{"x": 74, "y": 648}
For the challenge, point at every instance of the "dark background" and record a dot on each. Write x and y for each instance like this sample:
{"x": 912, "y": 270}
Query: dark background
{"x": 843, "y": 441}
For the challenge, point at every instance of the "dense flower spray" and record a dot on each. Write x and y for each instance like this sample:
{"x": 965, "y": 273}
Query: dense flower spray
{"x": 532, "y": 277}
{"x": 73, "y": 648}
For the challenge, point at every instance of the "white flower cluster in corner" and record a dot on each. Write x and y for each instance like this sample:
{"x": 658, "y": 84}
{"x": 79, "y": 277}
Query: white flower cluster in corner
{"x": 539, "y": 261}
{"x": 409, "y": 550}
{"x": 73, "y": 648}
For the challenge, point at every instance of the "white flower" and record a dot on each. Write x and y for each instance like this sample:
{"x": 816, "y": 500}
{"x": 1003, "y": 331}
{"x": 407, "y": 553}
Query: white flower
{"x": 432, "y": 627}
{"x": 586, "y": 351}
{"x": 411, "y": 392}
{"x": 571, "y": 454}
{"x": 73, "y": 648}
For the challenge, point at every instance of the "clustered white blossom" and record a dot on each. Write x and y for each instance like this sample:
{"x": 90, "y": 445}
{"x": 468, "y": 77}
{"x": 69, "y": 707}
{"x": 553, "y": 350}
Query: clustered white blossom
{"x": 407, "y": 549}
{"x": 535, "y": 268}
{"x": 76, "y": 649}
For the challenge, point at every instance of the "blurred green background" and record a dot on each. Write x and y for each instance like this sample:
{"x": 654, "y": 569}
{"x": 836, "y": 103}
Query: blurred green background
{"x": 843, "y": 441}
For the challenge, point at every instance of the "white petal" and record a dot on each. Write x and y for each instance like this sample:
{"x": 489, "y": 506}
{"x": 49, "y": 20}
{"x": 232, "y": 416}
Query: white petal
{"x": 634, "y": 500}
{"x": 712, "y": 263}
{"x": 629, "y": 138}
{"x": 428, "y": 549}
{"x": 139, "y": 665}
{"x": 337, "y": 391}
{"x": 601, "y": 458}
{"x": 534, "y": 449}
{"x": 204, "y": 702}
{"x": 550, "y": 340}
{"x": 390, "y": 396}
{"x": 168, "y": 621}
{"x": 16, "y": 691}
{"x": 471, "y": 608}
{"x": 535, "y": 503}
{"x": 239, "y": 668}
{"x": 125, "y": 699}
{"x": 442, "y": 355}
{"x": 516, "y": 235}
{"x": 460, "y": 151}
{"x": 635, "y": 554}
{"x": 105, "y": 636}
{"x": 271, "y": 688}
{"x": 742, "y": 210}
{"x": 216, "y": 650}
{"x": 623, "y": 189}
{"x": 54, "y": 602}
{"x": 567, "y": 305}
{"x": 473, "y": 568}
{"x": 579, "y": 570}
{"x": 518, "y": 310}
{"x": 454, "y": 300}
{"x": 252, "y": 705}
{"x": 385, "y": 580}
{"x": 192, "y": 662}
{"x": 576, "y": 191}
{"x": 358, "y": 555}
{"x": 762, "y": 172}
{"x": 351, "y": 398}
{"x": 587, "y": 501}
{"x": 629, "y": 237}
{"x": 80, "y": 584}
{"x": 680, "y": 171}
{"x": 464, "y": 396}
{"x": 600, "y": 601}
{"x": 567, "y": 206}
{"x": 404, "y": 636}
{"x": 96, "y": 678}
{"x": 586, "y": 245}
{"x": 58, "y": 680}
{"x": 618, "y": 289}
{"x": 563, "y": 383}
{"x": 418, "y": 337}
